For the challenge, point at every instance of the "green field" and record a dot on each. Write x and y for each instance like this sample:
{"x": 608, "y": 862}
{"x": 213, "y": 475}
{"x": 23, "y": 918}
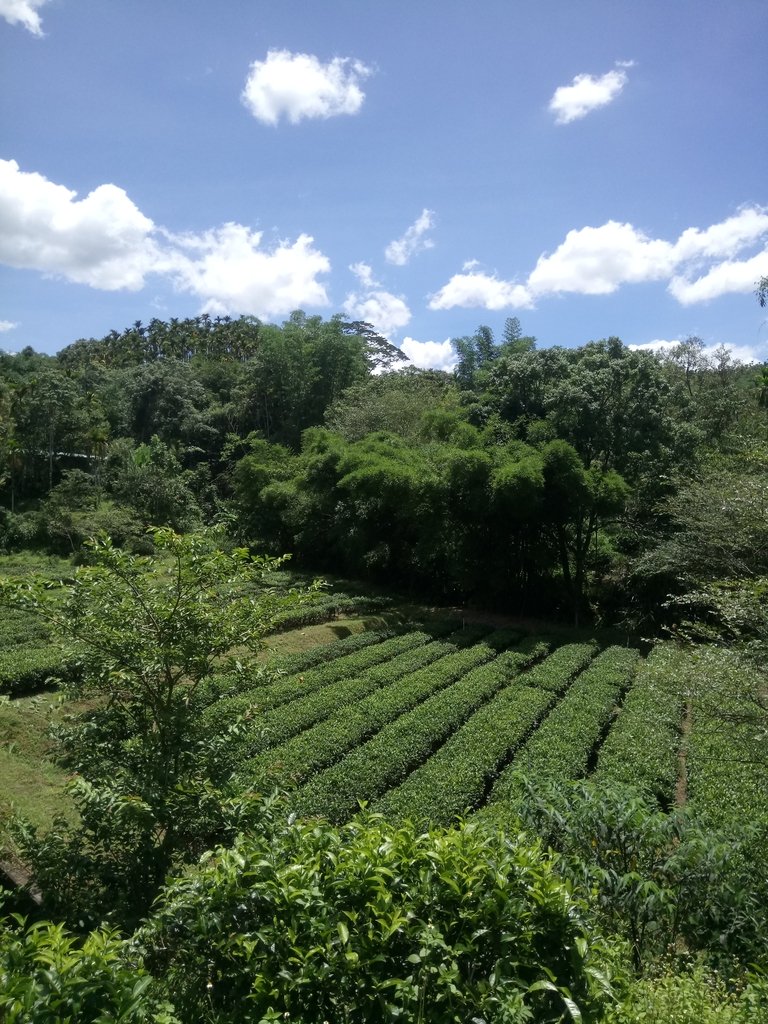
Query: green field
{"x": 434, "y": 723}
{"x": 431, "y": 726}
{"x": 441, "y": 720}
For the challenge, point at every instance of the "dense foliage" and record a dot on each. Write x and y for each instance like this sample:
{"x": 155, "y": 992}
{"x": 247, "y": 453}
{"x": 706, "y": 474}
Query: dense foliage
{"x": 614, "y": 865}
{"x": 372, "y": 923}
{"x": 566, "y": 481}
{"x": 148, "y": 787}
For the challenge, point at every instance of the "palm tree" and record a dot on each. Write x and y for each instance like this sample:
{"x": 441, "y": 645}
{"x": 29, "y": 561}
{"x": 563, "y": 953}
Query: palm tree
{"x": 98, "y": 441}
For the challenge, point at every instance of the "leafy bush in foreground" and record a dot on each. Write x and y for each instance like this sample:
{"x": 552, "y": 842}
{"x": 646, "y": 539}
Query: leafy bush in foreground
{"x": 371, "y": 923}
{"x": 48, "y": 976}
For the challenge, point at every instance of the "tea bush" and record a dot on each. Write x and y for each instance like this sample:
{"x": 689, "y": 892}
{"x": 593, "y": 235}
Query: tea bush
{"x": 372, "y": 923}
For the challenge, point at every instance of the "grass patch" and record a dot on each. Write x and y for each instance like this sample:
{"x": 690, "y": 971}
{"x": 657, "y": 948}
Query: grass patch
{"x": 30, "y": 783}
{"x": 27, "y": 563}
{"x": 294, "y": 641}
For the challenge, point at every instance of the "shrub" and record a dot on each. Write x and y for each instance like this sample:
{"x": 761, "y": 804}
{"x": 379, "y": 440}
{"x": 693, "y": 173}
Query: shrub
{"x": 48, "y": 976}
{"x": 658, "y": 879}
{"x": 371, "y": 923}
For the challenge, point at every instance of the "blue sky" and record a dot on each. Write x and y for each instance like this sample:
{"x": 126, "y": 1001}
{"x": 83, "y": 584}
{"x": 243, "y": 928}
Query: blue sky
{"x": 593, "y": 168}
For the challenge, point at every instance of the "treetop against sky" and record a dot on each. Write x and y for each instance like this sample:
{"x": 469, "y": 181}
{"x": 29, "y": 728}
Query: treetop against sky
{"x": 595, "y": 169}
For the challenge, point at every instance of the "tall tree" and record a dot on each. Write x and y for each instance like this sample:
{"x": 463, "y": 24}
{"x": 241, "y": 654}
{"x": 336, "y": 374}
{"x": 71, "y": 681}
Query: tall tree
{"x": 50, "y": 419}
{"x": 577, "y": 502}
{"x": 475, "y": 354}
{"x": 396, "y": 402}
{"x": 148, "y": 789}
{"x": 165, "y": 399}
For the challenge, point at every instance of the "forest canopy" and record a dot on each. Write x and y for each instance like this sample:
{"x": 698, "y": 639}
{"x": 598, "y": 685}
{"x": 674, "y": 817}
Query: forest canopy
{"x": 573, "y": 481}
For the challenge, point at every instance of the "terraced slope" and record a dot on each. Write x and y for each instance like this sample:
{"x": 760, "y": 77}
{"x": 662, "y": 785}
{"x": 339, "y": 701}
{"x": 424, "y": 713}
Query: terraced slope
{"x": 434, "y": 728}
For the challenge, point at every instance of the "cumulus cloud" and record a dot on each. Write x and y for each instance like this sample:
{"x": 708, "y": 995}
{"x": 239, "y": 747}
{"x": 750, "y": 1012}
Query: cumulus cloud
{"x": 364, "y": 274}
{"x": 698, "y": 266}
{"x": 743, "y": 353}
{"x": 299, "y": 85}
{"x": 413, "y": 241}
{"x": 474, "y": 288}
{"x": 725, "y": 277}
{"x": 227, "y": 268}
{"x": 7, "y": 325}
{"x": 694, "y": 252}
{"x": 106, "y": 242}
{"x": 595, "y": 261}
{"x": 372, "y": 303}
{"x": 587, "y": 93}
{"x": 727, "y": 238}
{"x": 430, "y": 355}
{"x": 103, "y": 240}
{"x": 23, "y": 12}
{"x": 657, "y": 345}
{"x": 385, "y": 311}
{"x": 739, "y": 353}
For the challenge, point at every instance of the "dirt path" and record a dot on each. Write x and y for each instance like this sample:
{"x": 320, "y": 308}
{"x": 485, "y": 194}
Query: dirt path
{"x": 20, "y": 878}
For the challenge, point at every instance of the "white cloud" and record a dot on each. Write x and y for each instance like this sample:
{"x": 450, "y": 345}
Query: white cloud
{"x": 413, "y": 241}
{"x": 727, "y": 238}
{"x": 587, "y": 93}
{"x": 364, "y": 274}
{"x": 745, "y": 353}
{"x": 595, "y": 261}
{"x": 298, "y": 85}
{"x": 228, "y": 269}
{"x": 106, "y": 242}
{"x": 739, "y": 353}
{"x": 657, "y": 345}
{"x": 102, "y": 240}
{"x": 385, "y": 311}
{"x": 478, "y": 289}
{"x": 723, "y": 278}
{"x": 700, "y": 265}
{"x": 23, "y": 12}
{"x": 7, "y": 325}
{"x": 430, "y": 355}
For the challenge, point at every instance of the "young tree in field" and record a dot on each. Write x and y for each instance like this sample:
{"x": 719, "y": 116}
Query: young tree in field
{"x": 146, "y": 634}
